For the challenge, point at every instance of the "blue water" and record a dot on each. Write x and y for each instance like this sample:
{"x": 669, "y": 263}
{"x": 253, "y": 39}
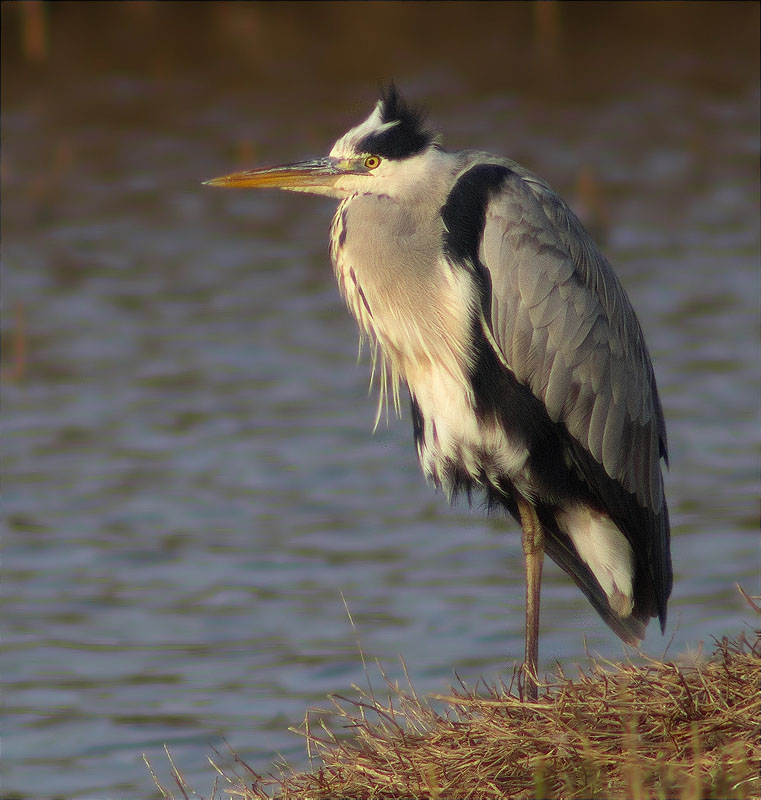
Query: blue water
{"x": 192, "y": 496}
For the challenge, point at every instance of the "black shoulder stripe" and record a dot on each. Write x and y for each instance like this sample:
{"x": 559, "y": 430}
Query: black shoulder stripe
{"x": 464, "y": 212}
{"x": 407, "y": 137}
{"x": 464, "y": 215}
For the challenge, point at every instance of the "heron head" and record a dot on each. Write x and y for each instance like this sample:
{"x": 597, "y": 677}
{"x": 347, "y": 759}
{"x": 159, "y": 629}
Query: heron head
{"x": 375, "y": 156}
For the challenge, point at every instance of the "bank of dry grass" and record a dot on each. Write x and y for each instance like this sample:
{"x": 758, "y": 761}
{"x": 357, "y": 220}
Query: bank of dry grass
{"x": 658, "y": 730}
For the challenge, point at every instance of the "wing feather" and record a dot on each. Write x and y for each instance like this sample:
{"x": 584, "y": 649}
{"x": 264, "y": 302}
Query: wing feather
{"x": 568, "y": 331}
{"x": 558, "y": 384}
{"x": 522, "y": 333}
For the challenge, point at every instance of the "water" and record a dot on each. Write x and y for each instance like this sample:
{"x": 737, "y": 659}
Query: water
{"x": 190, "y": 487}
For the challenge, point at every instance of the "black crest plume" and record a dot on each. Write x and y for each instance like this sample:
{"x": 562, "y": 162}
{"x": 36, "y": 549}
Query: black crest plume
{"x": 407, "y": 137}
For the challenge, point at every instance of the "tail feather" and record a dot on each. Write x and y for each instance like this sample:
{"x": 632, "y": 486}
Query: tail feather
{"x": 559, "y": 548}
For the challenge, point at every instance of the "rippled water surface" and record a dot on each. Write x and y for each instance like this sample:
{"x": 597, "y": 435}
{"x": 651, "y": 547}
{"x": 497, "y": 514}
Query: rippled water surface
{"x": 190, "y": 485}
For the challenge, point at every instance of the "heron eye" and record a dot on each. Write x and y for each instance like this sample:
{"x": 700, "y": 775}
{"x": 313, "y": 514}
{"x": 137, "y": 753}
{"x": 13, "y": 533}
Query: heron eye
{"x": 371, "y": 162}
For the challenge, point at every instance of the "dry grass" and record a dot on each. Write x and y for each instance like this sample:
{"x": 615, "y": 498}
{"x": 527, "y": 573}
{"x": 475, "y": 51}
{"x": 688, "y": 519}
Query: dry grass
{"x": 619, "y": 730}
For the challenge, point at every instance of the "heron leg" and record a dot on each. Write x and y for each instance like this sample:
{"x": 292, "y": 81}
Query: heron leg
{"x": 533, "y": 550}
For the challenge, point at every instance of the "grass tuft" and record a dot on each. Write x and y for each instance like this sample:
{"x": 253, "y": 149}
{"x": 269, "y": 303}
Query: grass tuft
{"x": 658, "y": 730}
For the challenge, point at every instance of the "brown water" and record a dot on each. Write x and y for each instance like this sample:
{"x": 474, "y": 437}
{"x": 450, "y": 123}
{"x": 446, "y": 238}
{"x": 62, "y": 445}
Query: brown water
{"x": 189, "y": 479}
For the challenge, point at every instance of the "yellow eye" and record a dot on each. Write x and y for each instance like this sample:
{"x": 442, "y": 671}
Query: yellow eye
{"x": 371, "y": 162}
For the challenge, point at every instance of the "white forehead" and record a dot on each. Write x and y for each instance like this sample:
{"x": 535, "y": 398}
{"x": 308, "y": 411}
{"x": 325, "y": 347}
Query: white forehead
{"x": 348, "y": 144}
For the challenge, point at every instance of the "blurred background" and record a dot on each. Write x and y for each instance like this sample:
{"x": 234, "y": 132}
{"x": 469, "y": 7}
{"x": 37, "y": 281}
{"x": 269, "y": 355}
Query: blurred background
{"x": 189, "y": 477}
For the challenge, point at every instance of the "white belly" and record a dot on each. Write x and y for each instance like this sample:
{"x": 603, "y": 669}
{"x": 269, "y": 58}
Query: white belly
{"x": 452, "y": 433}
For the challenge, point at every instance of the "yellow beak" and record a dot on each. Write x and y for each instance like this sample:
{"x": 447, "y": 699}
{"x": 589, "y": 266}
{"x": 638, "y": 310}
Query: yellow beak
{"x": 318, "y": 172}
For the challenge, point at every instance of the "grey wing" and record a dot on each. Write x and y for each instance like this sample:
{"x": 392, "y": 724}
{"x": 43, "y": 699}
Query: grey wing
{"x": 563, "y": 325}
{"x": 566, "y": 328}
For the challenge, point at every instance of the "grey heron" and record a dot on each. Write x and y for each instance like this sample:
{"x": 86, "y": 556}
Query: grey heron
{"x": 526, "y": 366}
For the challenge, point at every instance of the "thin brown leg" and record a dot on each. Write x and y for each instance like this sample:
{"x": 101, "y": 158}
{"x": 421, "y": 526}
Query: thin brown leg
{"x": 533, "y": 550}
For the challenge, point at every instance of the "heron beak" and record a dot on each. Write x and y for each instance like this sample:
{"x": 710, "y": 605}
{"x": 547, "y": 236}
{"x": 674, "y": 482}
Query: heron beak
{"x": 302, "y": 175}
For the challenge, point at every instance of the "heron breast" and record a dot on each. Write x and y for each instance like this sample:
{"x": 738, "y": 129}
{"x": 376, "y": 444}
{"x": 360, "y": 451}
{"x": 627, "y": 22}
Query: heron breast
{"x": 420, "y": 307}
